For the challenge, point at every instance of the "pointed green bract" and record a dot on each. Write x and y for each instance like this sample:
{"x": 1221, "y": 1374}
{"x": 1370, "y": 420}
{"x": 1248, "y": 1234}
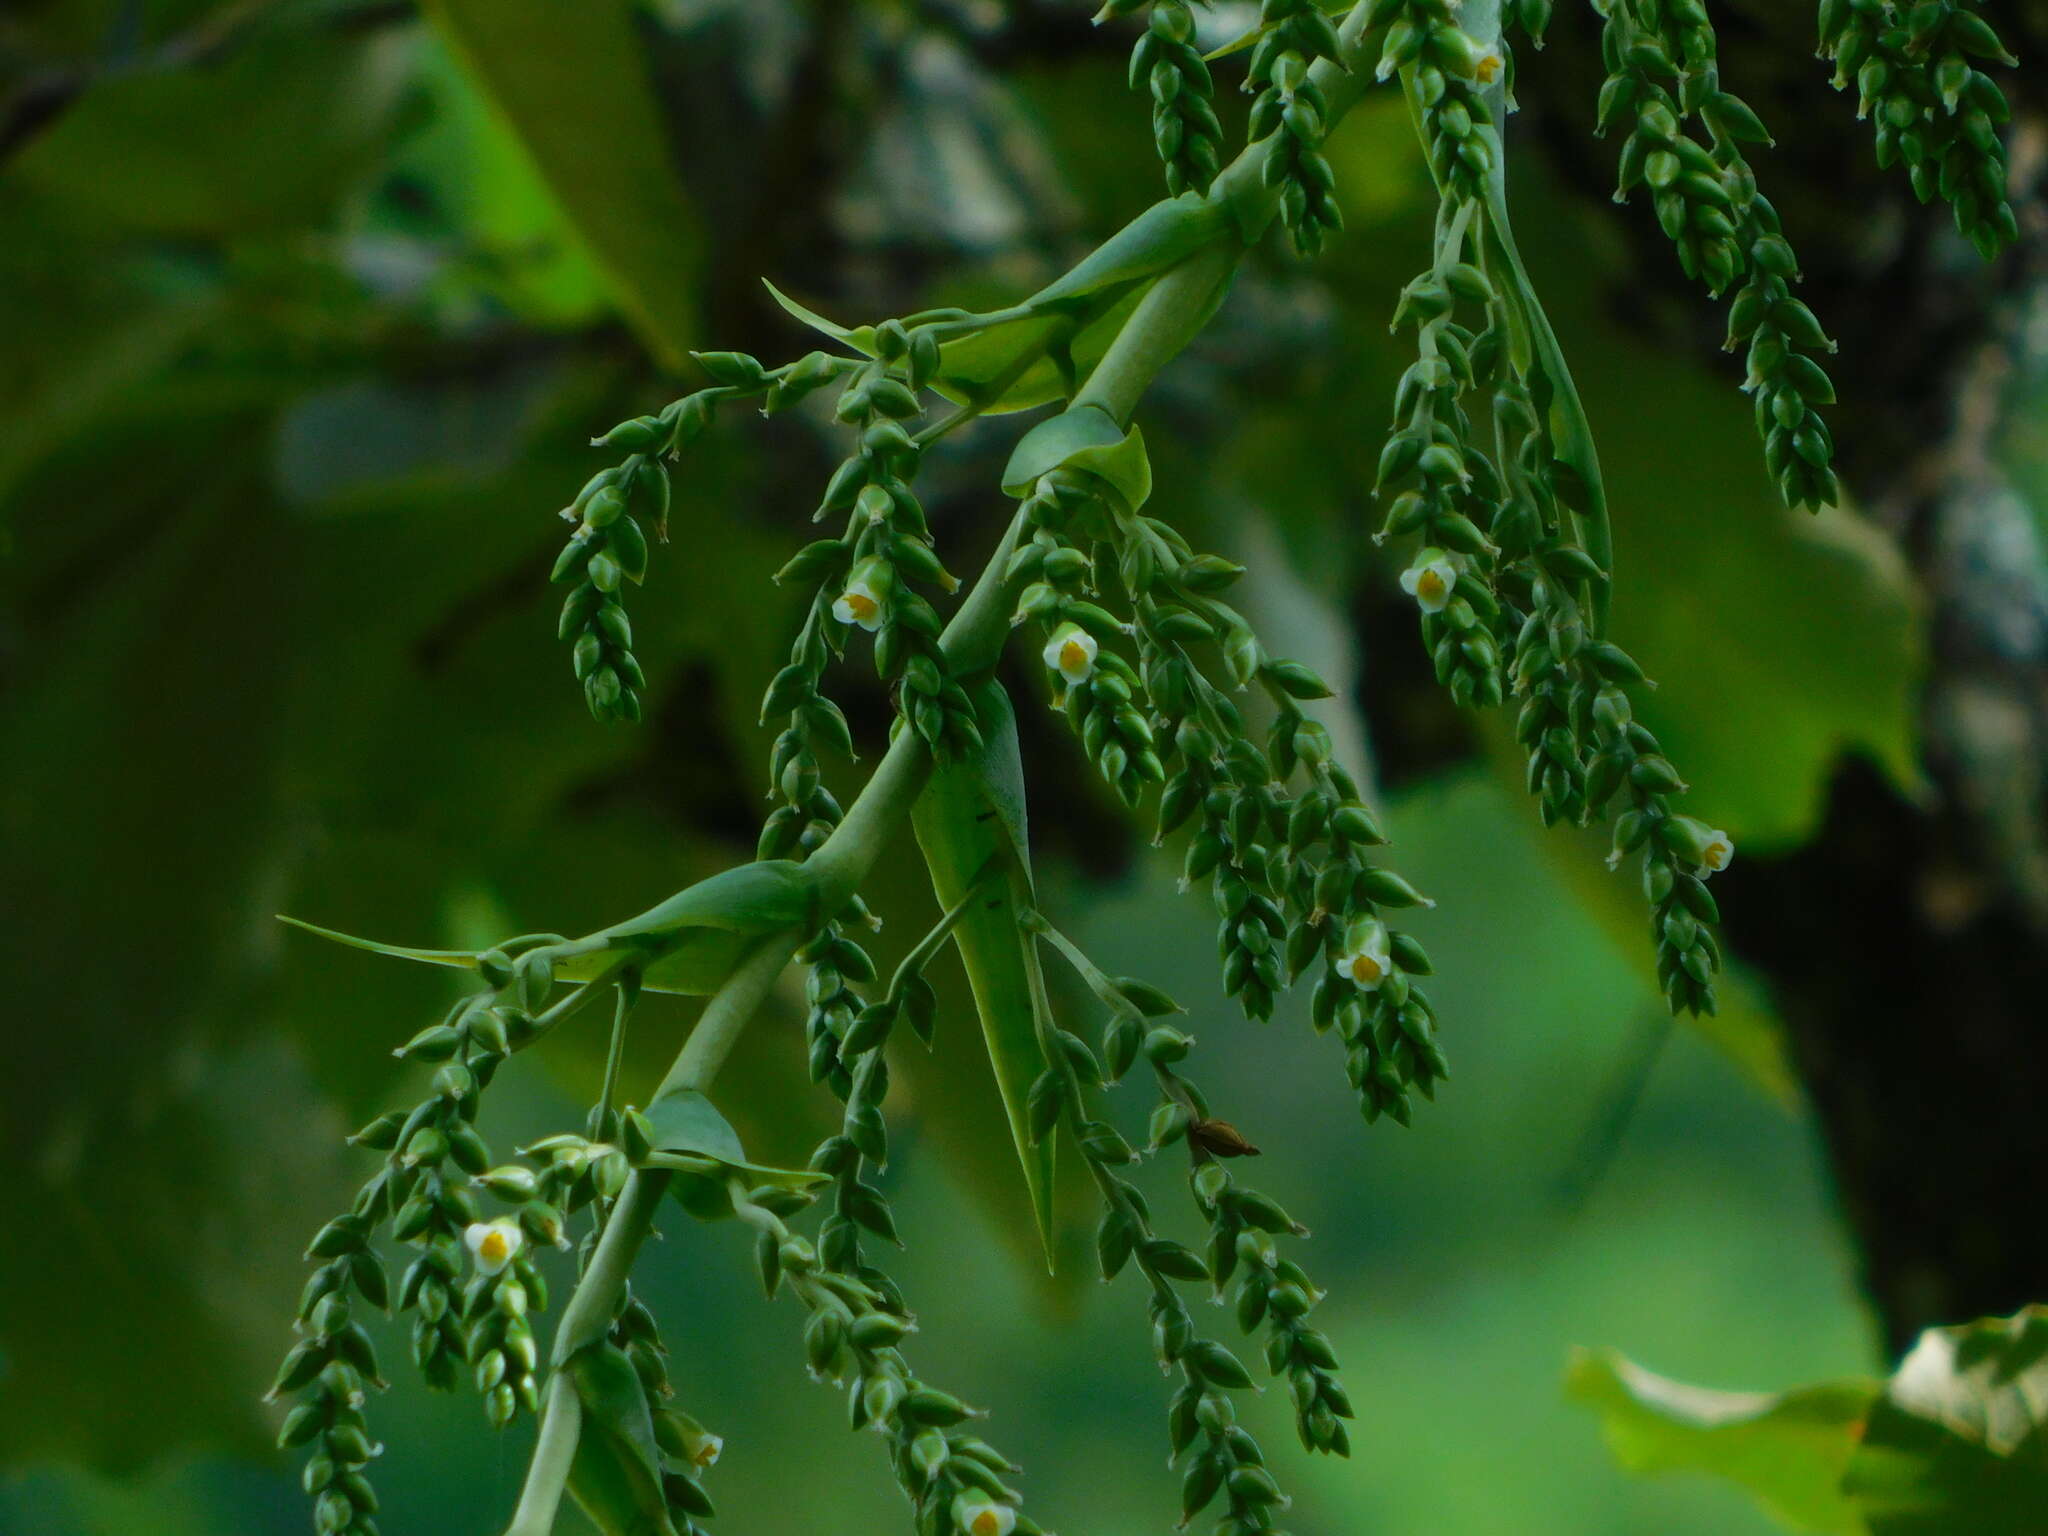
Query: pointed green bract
{"x": 694, "y": 939}
{"x": 616, "y": 1476}
{"x": 972, "y": 811}
{"x": 572, "y": 83}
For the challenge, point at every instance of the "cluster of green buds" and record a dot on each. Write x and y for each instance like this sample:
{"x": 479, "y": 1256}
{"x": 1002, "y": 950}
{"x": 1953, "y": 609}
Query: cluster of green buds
{"x": 1166, "y": 62}
{"x": 1219, "y": 771}
{"x": 1679, "y": 852}
{"x": 859, "y": 1078}
{"x": 472, "y": 1287}
{"x": 836, "y": 963}
{"x": 608, "y": 548}
{"x": 1217, "y": 1456}
{"x": 1512, "y": 575}
{"x": 1291, "y": 110}
{"x": 1441, "y": 480}
{"x": 1272, "y": 1291}
{"x": 1663, "y": 73}
{"x": 1449, "y": 74}
{"x": 953, "y": 1478}
{"x": 1096, "y": 686}
{"x": 332, "y": 1368}
{"x": 886, "y": 550}
{"x": 851, "y": 1042}
{"x": 1935, "y": 111}
{"x": 686, "y": 1449}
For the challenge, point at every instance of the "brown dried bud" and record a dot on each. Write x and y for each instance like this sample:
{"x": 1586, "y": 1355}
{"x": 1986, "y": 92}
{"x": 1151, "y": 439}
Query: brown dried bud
{"x": 1219, "y": 1138}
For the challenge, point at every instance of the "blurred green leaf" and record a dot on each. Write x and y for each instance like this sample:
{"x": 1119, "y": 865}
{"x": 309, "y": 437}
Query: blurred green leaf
{"x": 572, "y": 82}
{"x": 265, "y": 138}
{"x": 1955, "y": 1444}
{"x": 517, "y": 242}
{"x": 1788, "y": 1451}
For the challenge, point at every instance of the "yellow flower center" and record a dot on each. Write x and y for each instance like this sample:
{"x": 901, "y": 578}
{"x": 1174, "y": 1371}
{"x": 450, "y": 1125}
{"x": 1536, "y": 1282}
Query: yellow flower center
{"x": 1073, "y": 656}
{"x": 986, "y": 1522}
{"x": 496, "y": 1247}
{"x": 1430, "y": 584}
{"x": 1488, "y": 68}
{"x": 1366, "y": 968}
{"x": 1717, "y": 854}
{"x": 861, "y": 606}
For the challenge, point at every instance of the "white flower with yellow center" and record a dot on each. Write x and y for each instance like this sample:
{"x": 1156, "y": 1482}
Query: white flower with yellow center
{"x": 494, "y": 1243}
{"x": 1071, "y": 652}
{"x": 861, "y": 602}
{"x": 1366, "y": 963}
{"x": 979, "y": 1516}
{"x": 1488, "y": 66}
{"x": 704, "y": 1448}
{"x": 1431, "y": 580}
{"x": 1696, "y": 843}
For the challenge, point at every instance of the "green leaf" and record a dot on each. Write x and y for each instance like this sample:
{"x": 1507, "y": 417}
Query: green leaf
{"x": 1959, "y": 1444}
{"x": 1122, "y": 465}
{"x": 709, "y": 928}
{"x": 695, "y": 1141}
{"x": 1955, "y": 1444}
{"x": 972, "y": 811}
{"x": 1788, "y": 1451}
{"x": 572, "y": 82}
{"x": 266, "y": 138}
{"x": 616, "y": 1476}
{"x": 1056, "y": 441}
{"x": 860, "y": 338}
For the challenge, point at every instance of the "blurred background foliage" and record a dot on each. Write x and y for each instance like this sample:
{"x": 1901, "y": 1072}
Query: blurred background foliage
{"x": 307, "y": 311}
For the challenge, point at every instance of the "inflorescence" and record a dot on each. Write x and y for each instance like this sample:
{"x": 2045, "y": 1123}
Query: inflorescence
{"x": 1488, "y": 477}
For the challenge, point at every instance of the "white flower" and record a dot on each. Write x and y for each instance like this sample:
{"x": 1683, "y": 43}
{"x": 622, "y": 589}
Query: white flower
{"x": 1366, "y": 963}
{"x": 704, "y": 1448}
{"x": 494, "y": 1243}
{"x": 1071, "y": 653}
{"x": 1430, "y": 580}
{"x": 1696, "y": 843}
{"x": 1486, "y": 69}
{"x": 860, "y": 603}
{"x": 979, "y": 1516}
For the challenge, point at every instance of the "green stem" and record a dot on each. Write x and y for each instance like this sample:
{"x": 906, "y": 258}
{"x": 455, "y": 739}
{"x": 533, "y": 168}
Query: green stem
{"x": 553, "y": 1453}
{"x": 588, "y": 1316}
{"x": 615, "y": 1055}
{"x": 1170, "y": 316}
